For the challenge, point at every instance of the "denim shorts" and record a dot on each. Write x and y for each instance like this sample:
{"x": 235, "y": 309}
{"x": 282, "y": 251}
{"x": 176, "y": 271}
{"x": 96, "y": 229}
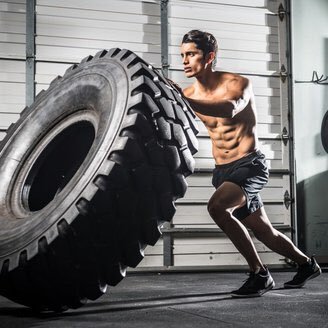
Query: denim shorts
{"x": 251, "y": 174}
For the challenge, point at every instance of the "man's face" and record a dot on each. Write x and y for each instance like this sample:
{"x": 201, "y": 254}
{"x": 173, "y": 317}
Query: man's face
{"x": 192, "y": 59}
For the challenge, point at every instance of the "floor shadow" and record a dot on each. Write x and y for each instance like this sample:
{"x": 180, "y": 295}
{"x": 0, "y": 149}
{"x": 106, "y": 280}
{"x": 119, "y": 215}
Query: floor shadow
{"x": 167, "y": 298}
{"x": 117, "y": 306}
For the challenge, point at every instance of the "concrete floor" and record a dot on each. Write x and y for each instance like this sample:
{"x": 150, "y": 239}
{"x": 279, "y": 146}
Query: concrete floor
{"x": 186, "y": 300}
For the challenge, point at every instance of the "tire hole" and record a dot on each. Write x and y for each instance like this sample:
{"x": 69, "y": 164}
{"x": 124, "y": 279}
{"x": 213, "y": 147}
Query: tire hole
{"x": 57, "y": 165}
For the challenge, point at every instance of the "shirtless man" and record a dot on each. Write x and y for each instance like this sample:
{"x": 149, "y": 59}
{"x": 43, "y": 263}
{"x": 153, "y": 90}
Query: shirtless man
{"x": 224, "y": 102}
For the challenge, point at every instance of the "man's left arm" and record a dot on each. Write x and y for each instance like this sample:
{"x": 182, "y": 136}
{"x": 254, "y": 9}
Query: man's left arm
{"x": 241, "y": 102}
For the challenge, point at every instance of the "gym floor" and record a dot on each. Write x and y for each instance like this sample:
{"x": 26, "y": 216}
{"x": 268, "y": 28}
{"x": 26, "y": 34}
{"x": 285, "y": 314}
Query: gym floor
{"x": 186, "y": 300}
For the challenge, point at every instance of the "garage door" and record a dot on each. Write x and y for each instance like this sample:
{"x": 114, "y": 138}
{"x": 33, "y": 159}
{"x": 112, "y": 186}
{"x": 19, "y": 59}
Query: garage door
{"x": 12, "y": 61}
{"x": 69, "y": 30}
{"x": 252, "y": 42}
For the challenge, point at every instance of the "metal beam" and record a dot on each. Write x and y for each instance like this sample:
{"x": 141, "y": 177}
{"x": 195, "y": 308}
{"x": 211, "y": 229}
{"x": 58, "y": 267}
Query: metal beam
{"x": 209, "y": 231}
{"x": 167, "y": 238}
{"x": 168, "y": 249}
{"x": 164, "y": 37}
{"x": 292, "y": 162}
{"x": 30, "y": 52}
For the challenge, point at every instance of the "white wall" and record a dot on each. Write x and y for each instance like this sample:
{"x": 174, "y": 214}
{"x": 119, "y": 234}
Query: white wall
{"x": 310, "y": 53}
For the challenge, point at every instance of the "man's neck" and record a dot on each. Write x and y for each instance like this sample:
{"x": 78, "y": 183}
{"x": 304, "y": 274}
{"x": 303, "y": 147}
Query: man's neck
{"x": 207, "y": 83}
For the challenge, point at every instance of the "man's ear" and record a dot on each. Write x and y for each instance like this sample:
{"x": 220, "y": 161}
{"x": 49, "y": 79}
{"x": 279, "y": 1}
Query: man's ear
{"x": 210, "y": 57}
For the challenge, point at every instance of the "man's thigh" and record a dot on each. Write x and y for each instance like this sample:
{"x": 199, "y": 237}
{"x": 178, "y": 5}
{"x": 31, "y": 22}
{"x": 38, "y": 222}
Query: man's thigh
{"x": 229, "y": 196}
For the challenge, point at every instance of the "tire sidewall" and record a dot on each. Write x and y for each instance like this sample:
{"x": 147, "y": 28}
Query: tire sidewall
{"x": 99, "y": 88}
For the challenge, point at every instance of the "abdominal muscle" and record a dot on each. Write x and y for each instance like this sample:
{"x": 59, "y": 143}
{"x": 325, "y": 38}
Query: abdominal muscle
{"x": 230, "y": 140}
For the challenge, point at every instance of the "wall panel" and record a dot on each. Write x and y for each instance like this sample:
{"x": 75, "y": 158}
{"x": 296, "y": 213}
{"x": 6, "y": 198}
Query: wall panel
{"x": 252, "y": 43}
{"x": 12, "y": 61}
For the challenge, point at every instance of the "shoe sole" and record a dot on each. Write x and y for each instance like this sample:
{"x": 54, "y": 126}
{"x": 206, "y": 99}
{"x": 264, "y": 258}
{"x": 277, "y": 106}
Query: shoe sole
{"x": 259, "y": 294}
{"x": 315, "y": 274}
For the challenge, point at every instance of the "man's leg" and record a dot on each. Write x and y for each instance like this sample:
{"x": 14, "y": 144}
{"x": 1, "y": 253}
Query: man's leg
{"x": 225, "y": 199}
{"x": 263, "y": 230}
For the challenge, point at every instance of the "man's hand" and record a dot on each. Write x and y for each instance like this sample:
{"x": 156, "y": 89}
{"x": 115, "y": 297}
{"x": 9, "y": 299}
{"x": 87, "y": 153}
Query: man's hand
{"x": 175, "y": 85}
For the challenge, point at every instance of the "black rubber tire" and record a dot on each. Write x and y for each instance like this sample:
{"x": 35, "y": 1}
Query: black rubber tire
{"x": 87, "y": 175}
{"x": 324, "y": 132}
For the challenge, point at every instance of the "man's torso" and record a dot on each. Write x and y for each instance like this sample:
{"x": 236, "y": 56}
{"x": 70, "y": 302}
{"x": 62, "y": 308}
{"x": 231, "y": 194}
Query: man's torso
{"x": 232, "y": 137}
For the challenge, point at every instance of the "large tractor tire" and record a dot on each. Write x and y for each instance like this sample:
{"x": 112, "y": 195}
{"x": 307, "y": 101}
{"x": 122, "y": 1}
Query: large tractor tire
{"x": 88, "y": 174}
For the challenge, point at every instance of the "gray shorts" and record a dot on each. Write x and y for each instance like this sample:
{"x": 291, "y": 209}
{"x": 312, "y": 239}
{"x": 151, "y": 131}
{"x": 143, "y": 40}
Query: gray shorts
{"x": 251, "y": 174}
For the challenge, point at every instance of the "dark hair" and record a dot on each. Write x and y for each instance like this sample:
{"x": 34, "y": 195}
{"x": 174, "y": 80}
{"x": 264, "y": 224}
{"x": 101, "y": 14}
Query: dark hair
{"x": 204, "y": 41}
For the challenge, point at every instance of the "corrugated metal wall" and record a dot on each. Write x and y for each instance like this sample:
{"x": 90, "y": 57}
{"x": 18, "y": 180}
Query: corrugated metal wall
{"x": 251, "y": 39}
{"x": 67, "y": 31}
{"x": 251, "y": 42}
{"x": 12, "y": 61}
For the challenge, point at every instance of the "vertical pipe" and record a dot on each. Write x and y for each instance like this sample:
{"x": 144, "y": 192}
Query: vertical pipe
{"x": 168, "y": 248}
{"x": 164, "y": 37}
{"x": 167, "y": 237}
{"x": 30, "y": 52}
{"x": 291, "y": 123}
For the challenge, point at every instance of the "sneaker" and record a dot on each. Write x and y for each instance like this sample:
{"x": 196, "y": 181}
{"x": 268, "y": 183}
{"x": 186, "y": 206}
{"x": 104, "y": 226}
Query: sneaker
{"x": 304, "y": 273}
{"x": 256, "y": 285}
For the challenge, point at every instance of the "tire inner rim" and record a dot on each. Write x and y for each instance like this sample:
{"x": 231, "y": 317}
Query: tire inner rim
{"x": 56, "y": 165}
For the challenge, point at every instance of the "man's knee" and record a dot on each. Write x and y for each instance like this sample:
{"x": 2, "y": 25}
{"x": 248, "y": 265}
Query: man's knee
{"x": 218, "y": 210}
{"x": 220, "y": 203}
{"x": 262, "y": 230}
{"x": 214, "y": 207}
{"x": 227, "y": 197}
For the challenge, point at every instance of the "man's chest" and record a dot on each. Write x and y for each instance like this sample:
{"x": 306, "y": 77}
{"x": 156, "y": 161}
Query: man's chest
{"x": 216, "y": 122}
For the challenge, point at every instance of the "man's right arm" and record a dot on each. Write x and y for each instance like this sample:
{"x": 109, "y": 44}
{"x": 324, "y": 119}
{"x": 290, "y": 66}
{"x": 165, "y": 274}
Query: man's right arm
{"x": 206, "y": 107}
{"x": 238, "y": 97}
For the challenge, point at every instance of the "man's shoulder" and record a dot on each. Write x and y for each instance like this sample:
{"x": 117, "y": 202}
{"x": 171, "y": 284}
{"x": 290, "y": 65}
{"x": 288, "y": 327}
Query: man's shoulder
{"x": 233, "y": 77}
{"x": 188, "y": 91}
{"x": 234, "y": 82}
